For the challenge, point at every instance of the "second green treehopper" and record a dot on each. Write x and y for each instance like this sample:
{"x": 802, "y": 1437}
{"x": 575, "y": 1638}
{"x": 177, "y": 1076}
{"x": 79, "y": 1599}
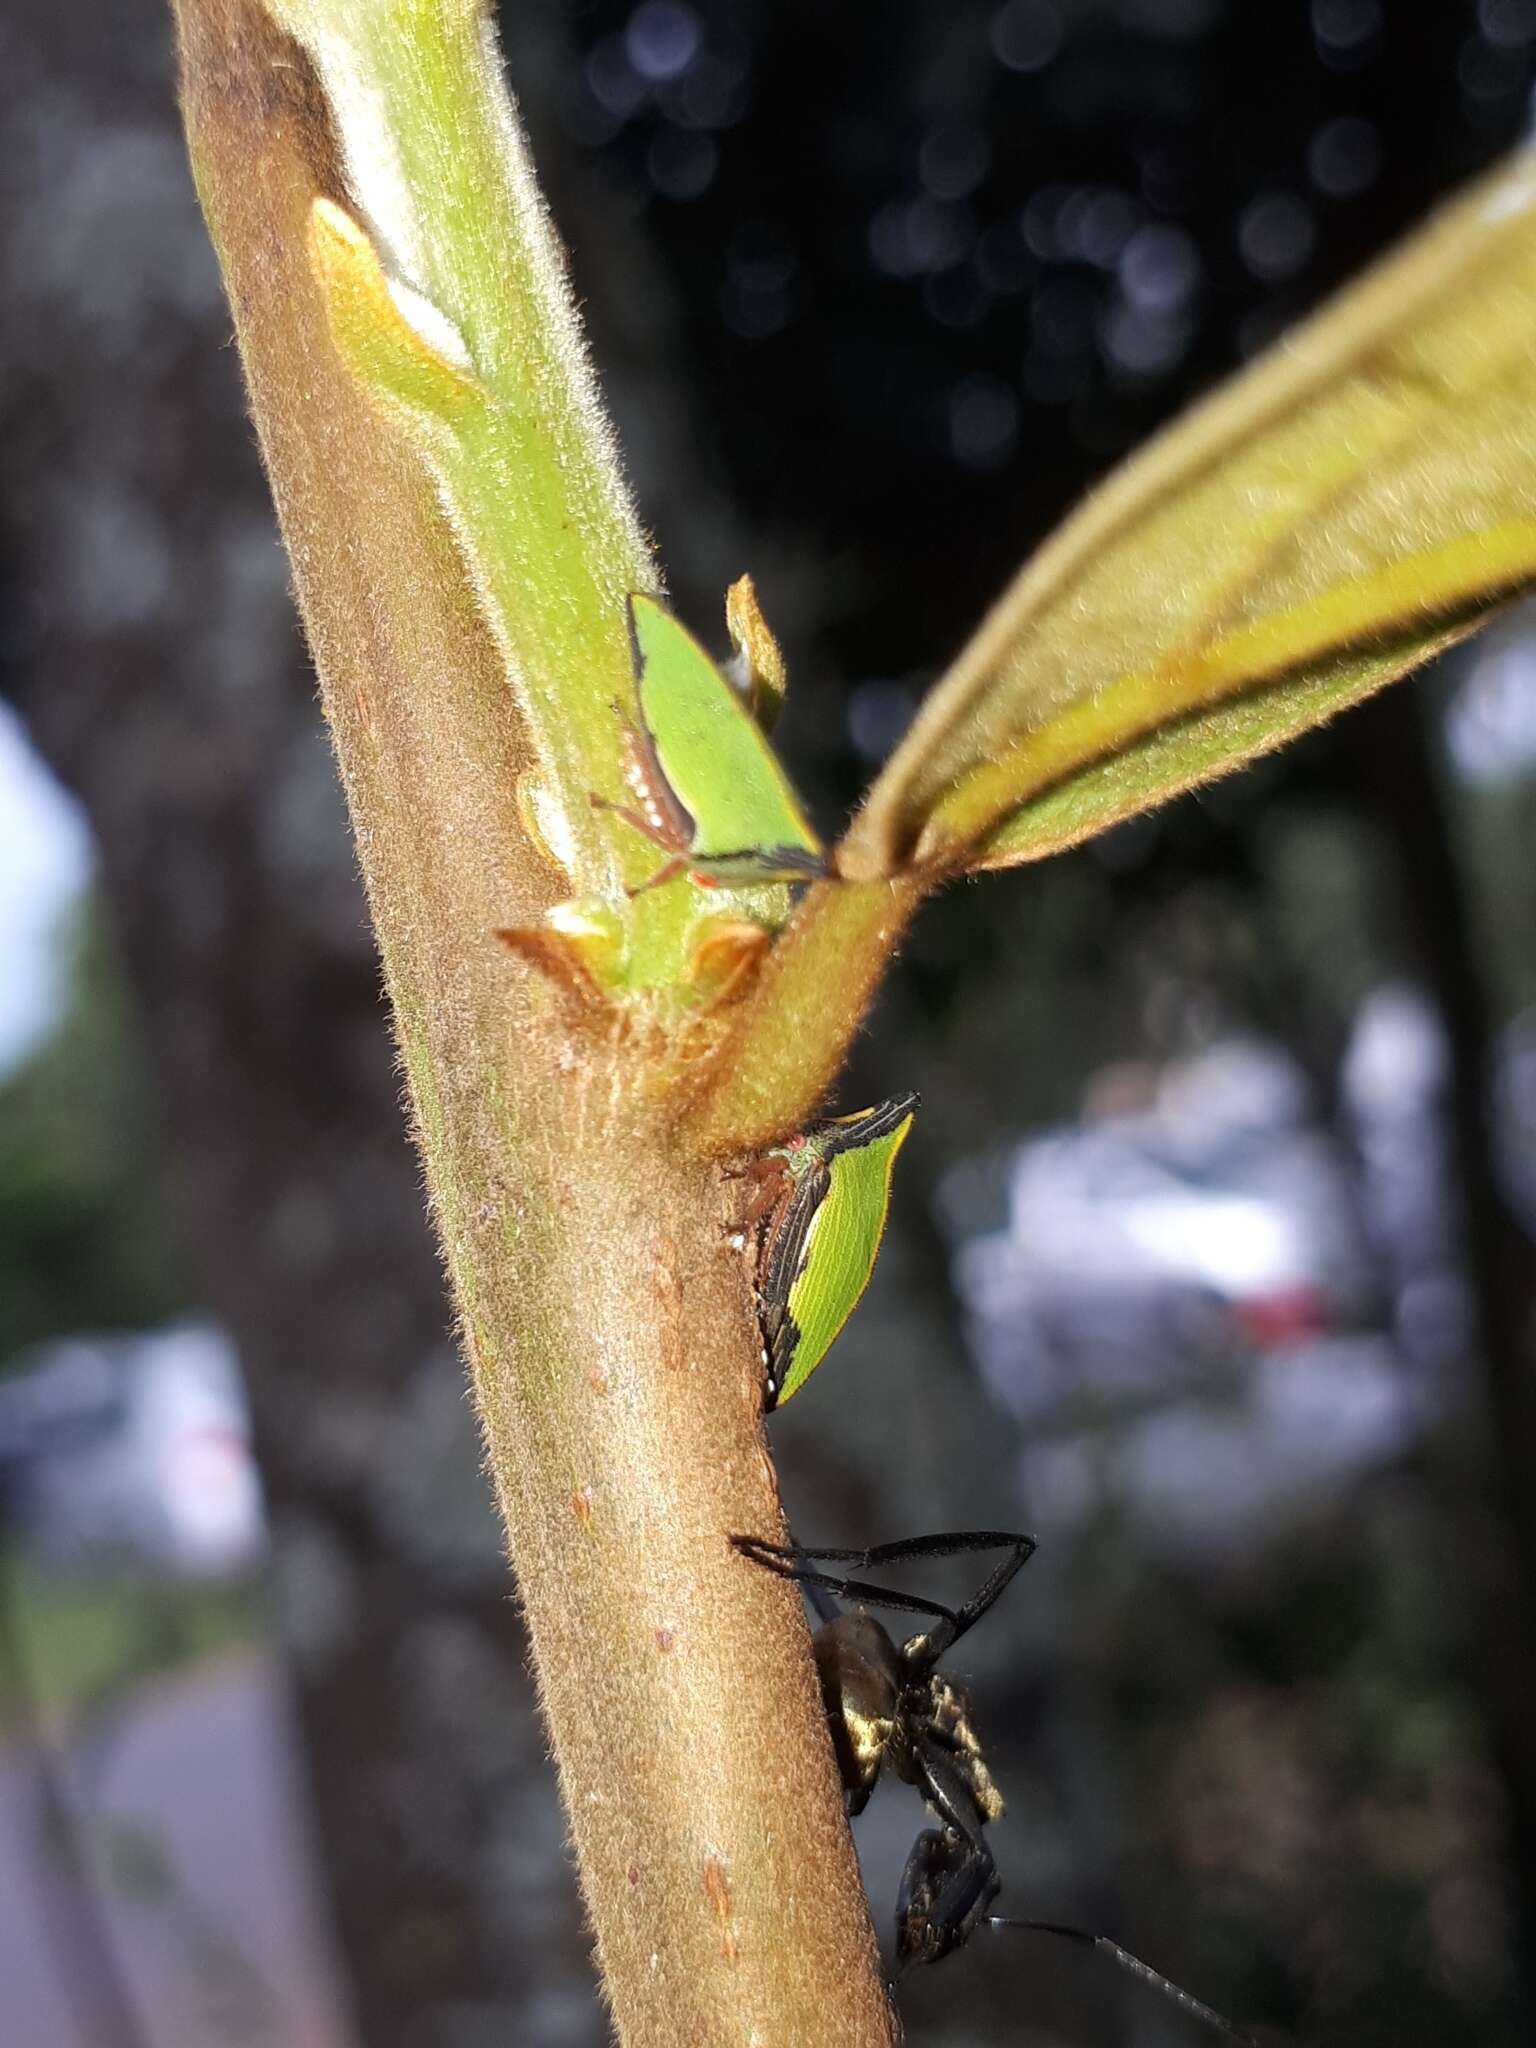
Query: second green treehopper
{"x": 823, "y": 1201}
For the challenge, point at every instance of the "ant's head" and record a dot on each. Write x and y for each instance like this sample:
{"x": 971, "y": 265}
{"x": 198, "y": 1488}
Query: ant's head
{"x": 946, "y": 1889}
{"x": 946, "y": 1892}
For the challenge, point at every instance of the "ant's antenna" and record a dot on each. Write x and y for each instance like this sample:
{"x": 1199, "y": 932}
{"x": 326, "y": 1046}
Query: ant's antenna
{"x": 1186, "y": 2000}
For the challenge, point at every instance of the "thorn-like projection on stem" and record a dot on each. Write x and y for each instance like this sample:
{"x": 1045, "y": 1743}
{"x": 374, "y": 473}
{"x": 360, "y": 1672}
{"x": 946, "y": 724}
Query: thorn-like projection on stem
{"x": 757, "y": 666}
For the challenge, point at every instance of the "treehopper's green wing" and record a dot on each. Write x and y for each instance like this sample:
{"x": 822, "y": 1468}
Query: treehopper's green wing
{"x": 823, "y": 1236}
{"x": 710, "y": 786}
{"x": 1359, "y": 499}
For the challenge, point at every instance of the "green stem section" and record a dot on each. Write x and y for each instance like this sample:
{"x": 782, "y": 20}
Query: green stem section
{"x": 438, "y": 175}
{"x": 614, "y": 1350}
{"x": 791, "y": 1035}
{"x": 448, "y": 298}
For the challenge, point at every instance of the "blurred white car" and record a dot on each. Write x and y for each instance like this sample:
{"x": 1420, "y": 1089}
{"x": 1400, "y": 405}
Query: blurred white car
{"x": 1142, "y": 1251}
{"x": 1217, "y": 1308}
{"x": 132, "y": 1449}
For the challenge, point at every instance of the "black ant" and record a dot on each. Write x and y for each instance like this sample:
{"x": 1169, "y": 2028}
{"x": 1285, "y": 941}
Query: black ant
{"x": 890, "y": 1704}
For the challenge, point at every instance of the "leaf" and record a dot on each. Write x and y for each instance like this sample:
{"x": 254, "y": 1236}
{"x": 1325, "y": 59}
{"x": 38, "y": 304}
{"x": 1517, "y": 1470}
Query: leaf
{"x": 1360, "y": 498}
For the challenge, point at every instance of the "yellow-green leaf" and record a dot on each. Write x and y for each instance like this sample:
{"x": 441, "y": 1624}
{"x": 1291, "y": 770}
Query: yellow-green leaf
{"x": 1359, "y": 498}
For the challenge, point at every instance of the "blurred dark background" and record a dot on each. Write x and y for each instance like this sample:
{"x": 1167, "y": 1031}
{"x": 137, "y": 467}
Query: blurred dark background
{"x": 1211, "y": 1258}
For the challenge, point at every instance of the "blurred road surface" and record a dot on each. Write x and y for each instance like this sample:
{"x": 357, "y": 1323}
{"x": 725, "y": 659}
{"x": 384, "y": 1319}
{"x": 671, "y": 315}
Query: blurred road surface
{"x": 198, "y": 1830}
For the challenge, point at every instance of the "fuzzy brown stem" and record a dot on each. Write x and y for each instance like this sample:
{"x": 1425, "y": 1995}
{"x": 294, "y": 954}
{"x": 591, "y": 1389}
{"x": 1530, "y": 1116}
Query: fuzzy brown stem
{"x": 614, "y": 1351}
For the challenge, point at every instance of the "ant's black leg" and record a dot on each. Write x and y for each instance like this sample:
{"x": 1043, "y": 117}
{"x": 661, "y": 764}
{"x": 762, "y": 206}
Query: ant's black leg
{"x": 784, "y": 1561}
{"x": 823, "y": 1606}
{"x": 954, "y": 1543}
{"x": 945, "y": 1791}
{"x": 1023, "y": 1549}
{"x": 788, "y": 1561}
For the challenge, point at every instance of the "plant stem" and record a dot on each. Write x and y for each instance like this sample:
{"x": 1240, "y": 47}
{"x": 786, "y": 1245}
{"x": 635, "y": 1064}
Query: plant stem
{"x": 615, "y": 1356}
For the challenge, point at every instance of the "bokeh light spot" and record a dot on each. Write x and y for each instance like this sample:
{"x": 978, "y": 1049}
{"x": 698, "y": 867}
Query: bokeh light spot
{"x": 761, "y": 266}
{"x": 1276, "y": 236}
{"x": 613, "y": 81}
{"x": 1143, "y": 344}
{"x": 662, "y": 39}
{"x": 1507, "y": 22}
{"x": 908, "y": 238}
{"x": 1039, "y": 223}
{"x": 681, "y": 164}
{"x": 879, "y": 712}
{"x": 1488, "y": 73}
{"x": 712, "y": 93}
{"x": 1096, "y": 223}
{"x": 1026, "y": 34}
{"x": 1159, "y": 269}
{"x": 1344, "y": 157}
{"x": 952, "y": 161}
{"x": 983, "y": 422}
{"x": 1345, "y": 28}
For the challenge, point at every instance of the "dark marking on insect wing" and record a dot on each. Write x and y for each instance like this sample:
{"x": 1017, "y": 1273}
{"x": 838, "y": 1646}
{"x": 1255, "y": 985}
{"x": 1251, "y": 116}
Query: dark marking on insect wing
{"x": 662, "y": 816}
{"x": 786, "y": 1232}
{"x": 867, "y": 1127}
{"x": 669, "y": 821}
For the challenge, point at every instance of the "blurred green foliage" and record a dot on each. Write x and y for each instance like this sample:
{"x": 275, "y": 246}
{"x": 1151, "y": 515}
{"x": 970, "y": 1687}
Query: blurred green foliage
{"x": 87, "y": 1641}
{"x": 83, "y": 1242}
